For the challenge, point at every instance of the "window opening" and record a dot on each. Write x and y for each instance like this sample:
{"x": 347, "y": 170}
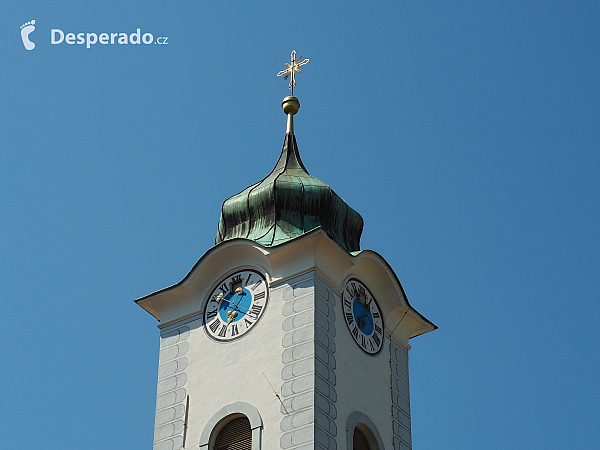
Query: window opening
{"x": 236, "y": 435}
{"x": 359, "y": 442}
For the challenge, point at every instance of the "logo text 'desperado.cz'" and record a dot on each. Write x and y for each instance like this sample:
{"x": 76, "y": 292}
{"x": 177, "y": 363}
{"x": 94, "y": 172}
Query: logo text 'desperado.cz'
{"x": 58, "y": 37}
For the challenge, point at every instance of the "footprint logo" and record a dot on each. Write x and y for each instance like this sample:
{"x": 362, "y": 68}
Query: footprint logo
{"x": 26, "y": 30}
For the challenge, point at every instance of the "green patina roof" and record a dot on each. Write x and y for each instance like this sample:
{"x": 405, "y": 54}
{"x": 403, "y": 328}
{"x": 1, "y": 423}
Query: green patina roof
{"x": 286, "y": 204}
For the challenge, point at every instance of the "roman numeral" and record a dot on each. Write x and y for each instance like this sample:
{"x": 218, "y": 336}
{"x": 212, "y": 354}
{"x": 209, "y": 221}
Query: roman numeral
{"x": 256, "y": 309}
{"x": 248, "y": 279}
{"x": 347, "y": 304}
{"x": 248, "y": 323}
{"x": 362, "y": 341}
{"x": 349, "y": 318}
{"x": 376, "y": 339}
{"x": 234, "y": 330}
{"x": 378, "y": 329}
{"x": 211, "y": 314}
{"x": 223, "y": 331}
{"x": 371, "y": 345}
{"x": 375, "y": 315}
{"x": 256, "y": 285}
{"x": 213, "y": 326}
{"x": 259, "y": 296}
{"x": 355, "y": 332}
{"x": 224, "y": 288}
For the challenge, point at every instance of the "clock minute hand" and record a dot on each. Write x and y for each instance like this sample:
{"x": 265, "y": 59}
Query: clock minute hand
{"x": 237, "y": 293}
{"x": 244, "y": 310}
{"x": 237, "y": 305}
{"x": 368, "y": 309}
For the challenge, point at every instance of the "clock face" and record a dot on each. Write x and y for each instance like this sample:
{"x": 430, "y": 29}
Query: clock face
{"x": 235, "y": 306}
{"x": 363, "y": 317}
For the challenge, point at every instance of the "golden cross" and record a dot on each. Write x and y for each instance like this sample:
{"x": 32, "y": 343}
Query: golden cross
{"x": 291, "y": 69}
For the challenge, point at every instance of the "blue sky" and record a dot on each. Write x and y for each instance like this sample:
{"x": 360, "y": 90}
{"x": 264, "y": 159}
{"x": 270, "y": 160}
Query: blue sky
{"x": 465, "y": 133}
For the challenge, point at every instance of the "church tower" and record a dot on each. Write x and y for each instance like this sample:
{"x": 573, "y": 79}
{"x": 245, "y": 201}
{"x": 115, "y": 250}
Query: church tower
{"x": 285, "y": 335}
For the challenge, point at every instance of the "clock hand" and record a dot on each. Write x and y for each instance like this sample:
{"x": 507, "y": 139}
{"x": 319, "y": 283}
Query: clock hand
{"x": 231, "y": 314}
{"x": 220, "y": 297}
{"x": 366, "y": 314}
{"x": 244, "y": 310}
{"x": 361, "y": 316}
{"x": 237, "y": 305}
{"x": 237, "y": 293}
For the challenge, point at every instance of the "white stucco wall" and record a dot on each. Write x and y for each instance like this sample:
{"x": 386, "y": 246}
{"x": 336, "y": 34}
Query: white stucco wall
{"x": 301, "y": 349}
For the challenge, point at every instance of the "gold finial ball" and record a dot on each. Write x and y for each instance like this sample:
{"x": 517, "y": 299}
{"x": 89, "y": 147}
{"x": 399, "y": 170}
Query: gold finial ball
{"x": 290, "y": 105}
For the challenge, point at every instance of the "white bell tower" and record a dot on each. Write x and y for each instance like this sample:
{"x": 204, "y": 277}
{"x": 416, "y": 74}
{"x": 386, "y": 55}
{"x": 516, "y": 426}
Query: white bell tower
{"x": 285, "y": 335}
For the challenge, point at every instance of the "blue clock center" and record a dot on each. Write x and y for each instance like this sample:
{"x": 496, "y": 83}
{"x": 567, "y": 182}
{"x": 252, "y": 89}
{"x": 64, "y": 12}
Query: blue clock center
{"x": 239, "y": 302}
{"x": 363, "y": 317}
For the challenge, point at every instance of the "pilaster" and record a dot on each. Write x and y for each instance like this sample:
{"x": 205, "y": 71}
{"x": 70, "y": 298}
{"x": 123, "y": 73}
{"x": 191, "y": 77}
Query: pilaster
{"x": 308, "y": 390}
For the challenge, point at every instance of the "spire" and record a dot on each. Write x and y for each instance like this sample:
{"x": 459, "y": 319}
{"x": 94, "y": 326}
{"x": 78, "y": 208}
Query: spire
{"x": 289, "y": 202}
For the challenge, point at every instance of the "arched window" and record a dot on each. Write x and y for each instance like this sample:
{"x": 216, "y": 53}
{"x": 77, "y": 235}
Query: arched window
{"x": 234, "y": 427}
{"x": 235, "y": 435}
{"x": 361, "y": 433}
{"x": 359, "y": 441}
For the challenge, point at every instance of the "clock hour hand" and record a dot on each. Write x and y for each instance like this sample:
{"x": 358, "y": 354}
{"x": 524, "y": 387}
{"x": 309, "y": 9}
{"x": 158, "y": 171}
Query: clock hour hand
{"x": 243, "y": 310}
{"x": 237, "y": 293}
{"x": 220, "y": 297}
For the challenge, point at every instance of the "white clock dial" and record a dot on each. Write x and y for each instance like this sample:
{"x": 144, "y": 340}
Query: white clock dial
{"x": 363, "y": 317}
{"x": 235, "y": 305}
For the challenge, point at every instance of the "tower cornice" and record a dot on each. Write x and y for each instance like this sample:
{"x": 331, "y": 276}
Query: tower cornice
{"x": 314, "y": 251}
